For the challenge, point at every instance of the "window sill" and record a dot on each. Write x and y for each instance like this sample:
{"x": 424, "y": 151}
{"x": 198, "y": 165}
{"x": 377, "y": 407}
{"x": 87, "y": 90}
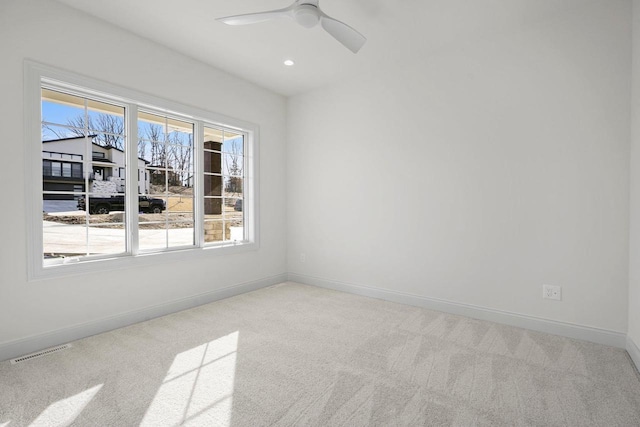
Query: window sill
{"x": 129, "y": 261}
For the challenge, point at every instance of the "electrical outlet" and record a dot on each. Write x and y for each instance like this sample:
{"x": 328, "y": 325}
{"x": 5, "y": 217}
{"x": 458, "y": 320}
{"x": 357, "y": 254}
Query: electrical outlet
{"x": 303, "y": 257}
{"x": 552, "y": 292}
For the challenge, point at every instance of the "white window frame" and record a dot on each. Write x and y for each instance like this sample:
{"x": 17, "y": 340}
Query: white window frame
{"x": 34, "y": 76}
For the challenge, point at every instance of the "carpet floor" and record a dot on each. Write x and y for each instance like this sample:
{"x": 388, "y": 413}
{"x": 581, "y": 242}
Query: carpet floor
{"x": 299, "y": 355}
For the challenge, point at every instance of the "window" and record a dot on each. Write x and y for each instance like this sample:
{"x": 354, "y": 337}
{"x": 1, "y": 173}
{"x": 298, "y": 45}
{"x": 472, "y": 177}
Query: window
{"x": 52, "y": 168}
{"x": 56, "y": 168}
{"x": 46, "y": 168}
{"x": 166, "y": 142}
{"x": 223, "y": 183}
{"x": 76, "y": 170}
{"x": 122, "y": 175}
{"x": 74, "y": 124}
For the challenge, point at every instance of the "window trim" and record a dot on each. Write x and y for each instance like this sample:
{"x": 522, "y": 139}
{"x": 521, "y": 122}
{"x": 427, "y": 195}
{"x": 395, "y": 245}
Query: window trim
{"x": 34, "y": 74}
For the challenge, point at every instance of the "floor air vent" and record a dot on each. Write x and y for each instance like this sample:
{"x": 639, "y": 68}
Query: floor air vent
{"x": 40, "y": 353}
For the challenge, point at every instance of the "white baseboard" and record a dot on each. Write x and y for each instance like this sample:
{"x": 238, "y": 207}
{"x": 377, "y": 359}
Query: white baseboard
{"x": 12, "y": 349}
{"x": 634, "y": 352}
{"x": 586, "y": 333}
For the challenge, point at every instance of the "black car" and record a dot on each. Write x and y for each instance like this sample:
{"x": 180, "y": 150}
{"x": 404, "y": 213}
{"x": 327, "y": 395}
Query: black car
{"x": 104, "y": 205}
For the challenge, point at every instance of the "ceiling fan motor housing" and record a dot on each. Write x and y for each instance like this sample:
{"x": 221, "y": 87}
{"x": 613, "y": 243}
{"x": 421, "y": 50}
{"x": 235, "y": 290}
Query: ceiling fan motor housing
{"x": 307, "y": 15}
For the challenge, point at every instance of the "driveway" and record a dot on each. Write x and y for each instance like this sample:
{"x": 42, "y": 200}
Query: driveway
{"x": 79, "y": 239}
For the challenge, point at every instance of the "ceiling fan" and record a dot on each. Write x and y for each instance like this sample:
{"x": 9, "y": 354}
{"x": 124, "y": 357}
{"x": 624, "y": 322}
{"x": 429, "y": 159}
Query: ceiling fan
{"x": 308, "y": 14}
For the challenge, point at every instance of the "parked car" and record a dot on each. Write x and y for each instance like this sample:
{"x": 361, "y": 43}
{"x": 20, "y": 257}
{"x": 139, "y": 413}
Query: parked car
{"x": 238, "y": 205}
{"x": 104, "y": 205}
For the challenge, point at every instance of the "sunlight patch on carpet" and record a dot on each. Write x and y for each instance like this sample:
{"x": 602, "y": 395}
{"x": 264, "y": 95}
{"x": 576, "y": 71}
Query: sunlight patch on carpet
{"x": 65, "y": 411}
{"x": 198, "y": 387}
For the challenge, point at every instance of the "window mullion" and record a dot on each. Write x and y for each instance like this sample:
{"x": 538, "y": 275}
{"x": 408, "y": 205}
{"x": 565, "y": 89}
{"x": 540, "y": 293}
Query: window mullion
{"x": 198, "y": 183}
{"x": 88, "y": 193}
{"x": 131, "y": 181}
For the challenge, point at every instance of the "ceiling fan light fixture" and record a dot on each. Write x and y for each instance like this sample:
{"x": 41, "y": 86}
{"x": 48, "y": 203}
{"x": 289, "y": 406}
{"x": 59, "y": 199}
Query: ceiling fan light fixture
{"x": 307, "y": 15}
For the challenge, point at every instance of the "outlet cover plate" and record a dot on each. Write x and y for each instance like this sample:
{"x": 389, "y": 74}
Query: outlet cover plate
{"x": 552, "y": 292}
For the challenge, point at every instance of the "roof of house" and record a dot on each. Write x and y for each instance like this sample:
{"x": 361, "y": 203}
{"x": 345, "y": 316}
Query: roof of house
{"x": 69, "y": 138}
{"x": 107, "y": 147}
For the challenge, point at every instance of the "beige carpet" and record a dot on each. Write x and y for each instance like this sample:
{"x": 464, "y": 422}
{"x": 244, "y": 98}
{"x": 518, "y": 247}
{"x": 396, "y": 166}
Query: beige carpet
{"x": 300, "y": 355}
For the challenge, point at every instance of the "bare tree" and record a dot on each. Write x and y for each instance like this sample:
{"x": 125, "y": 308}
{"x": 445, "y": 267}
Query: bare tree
{"x": 49, "y": 131}
{"x": 180, "y": 156}
{"x": 109, "y": 129}
{"x": 233, "y": 167}
{"x": 142, "y": 148}
{"x": 154, "y": 134}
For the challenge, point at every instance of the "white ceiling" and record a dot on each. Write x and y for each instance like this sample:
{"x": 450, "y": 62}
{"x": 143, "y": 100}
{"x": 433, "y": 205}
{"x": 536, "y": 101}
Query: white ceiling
{"x": 397, "y": 30}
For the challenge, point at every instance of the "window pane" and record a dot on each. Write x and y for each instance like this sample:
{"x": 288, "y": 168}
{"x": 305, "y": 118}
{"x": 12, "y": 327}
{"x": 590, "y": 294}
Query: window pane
{"x": 226, "y": 225}
{"x": 157, "y": 179}
{"x": 213, "y": 231}
{"x": 144, "y": 150}
{"x": 233, "y": 186}
{"x": 106, "y": 122}
{"x": 82, "y": 215}
{"x": 105, "y": 117}
{"x": 223, "y": 185}
{"x": 61, "y": 240}
{"x": 106, "y": 139}
{"x": 212, "y": 147}
{"x": 213, "y": 136}
{"x": 107, "y": 239}
{"x": 212, "y": 162}
{"x": 56, "y": 133}
{"x": 181, "y": 234}
{"x": 180, "y": 153}
{"x": 232, "y": 164}
{"x": 233, "y": 144}
{"x": 213, "y": 195}
{"x": 155, "y": 236}
{"x": 236, "y": 232}
{"x": 165, "y": 144}
{"x": 234, "y": 219}
{"x": 223, "y": 231}
{"x": 152, "y": 138}
{"x": 166, "y": 218}
{"x": 61, "y": 108}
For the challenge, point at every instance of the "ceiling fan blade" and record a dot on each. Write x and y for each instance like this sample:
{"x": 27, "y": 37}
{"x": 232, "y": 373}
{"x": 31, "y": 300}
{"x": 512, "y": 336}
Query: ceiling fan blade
{"x": 340, "y": 31}
{"x": 253, "y": 18}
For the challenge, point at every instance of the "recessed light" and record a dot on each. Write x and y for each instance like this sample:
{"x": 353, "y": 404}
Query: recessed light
{"x": 289, "y": 63}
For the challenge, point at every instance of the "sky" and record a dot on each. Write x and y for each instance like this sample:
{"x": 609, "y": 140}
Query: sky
{"x": 56, "y": 114}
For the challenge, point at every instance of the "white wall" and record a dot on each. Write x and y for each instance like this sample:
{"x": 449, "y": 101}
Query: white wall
{"x": 53, "y": 34}
{"x": 475, "y": 174}
{"x": 634, "y": 258}
{"x": 472, "y": 175}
